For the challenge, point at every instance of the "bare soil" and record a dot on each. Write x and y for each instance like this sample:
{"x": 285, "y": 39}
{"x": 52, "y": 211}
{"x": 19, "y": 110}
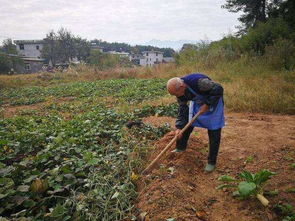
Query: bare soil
{"x": 179, "y": 188}
{"x": 11, "y": 111}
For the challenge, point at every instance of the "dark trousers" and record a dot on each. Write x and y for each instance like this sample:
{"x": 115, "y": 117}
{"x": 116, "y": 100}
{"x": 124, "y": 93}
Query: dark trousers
{"x": 214, "y": 143}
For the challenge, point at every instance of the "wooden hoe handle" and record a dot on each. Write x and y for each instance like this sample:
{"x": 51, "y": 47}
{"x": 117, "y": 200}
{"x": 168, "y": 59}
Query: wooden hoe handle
{"x": 150, "y": 166}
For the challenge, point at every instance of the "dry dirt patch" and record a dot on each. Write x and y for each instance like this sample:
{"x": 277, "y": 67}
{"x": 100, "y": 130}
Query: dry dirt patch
{"x": 180, "y": 189}
{"x": 11, "y": 111}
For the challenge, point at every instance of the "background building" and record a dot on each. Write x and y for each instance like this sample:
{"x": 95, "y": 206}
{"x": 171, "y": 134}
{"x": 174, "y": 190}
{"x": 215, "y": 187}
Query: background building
{"x": 30, "y": 52}
{"x": 153, "y": 57}
{"x": 29, "y": 48}
{"x": 148, "y": 58}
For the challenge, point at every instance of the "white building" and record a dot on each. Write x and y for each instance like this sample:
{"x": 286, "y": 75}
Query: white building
{"x": 29, "y": 48}
{"x": 30, "y": 52}
{"x": 138, "y": 59}
{"x": 153, "y": 57}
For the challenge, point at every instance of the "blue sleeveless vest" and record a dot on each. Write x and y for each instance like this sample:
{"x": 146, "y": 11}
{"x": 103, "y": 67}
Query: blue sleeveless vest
{"x": 212, "y": 119}
{"x": 192, "y": 79}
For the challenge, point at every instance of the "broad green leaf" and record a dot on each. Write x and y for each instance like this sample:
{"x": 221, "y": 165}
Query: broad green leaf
{"x": 246, "y": 188}
{"x": 54, "y": 171}
{"x": 222, "y": 186}
{"x": 58, "y": 211}
{"x": 247, "y": 176}
{"x": 262, "y": 176}
{"x": 226, "y": 178}
{"x": 30, "y": 179}
{"x": 6, "y": 171}
{"x": 29, "y": 203}
{"x": 93, "y": 161}
{"x": 66, "y": 169}
{"x": 6, "y": 183}
{"x": 3, "y": 195}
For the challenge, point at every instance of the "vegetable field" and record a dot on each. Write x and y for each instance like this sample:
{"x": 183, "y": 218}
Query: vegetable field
{"x": 75, "y": 160}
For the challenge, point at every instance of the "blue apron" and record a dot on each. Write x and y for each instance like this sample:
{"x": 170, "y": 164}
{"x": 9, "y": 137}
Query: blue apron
{"x": 212, "y": 119}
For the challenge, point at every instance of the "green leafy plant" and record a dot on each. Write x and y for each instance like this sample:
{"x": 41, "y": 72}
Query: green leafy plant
{"x": 286, "y": 211}
{"x": 247, "y": 184}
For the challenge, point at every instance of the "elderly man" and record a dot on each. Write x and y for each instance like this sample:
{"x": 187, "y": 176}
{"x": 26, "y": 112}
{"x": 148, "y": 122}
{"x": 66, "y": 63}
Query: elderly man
{"x": 205, "y": 96}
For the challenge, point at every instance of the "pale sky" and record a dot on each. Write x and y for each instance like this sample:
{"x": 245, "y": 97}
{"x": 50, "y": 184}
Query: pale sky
{"x": 130, "y": 21}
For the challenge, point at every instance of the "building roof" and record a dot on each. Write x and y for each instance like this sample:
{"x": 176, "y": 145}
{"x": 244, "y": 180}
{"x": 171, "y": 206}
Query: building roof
{"x": 29, "y": 41}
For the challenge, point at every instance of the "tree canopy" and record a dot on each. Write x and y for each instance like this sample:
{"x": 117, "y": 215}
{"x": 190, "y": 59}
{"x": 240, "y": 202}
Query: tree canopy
{"x": 255, "y": 11}
{"x": 63, "y": 46}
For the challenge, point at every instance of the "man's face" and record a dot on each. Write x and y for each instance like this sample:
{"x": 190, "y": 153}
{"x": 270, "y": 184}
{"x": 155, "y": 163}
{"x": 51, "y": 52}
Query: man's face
{"x": 180, "y": 91}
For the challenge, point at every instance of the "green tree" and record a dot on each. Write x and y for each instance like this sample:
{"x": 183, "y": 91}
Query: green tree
{"x": 104, "y": 61}
{"x": 284, "y": 9}
{"x": 50, "y": 48}
{"x": 63, "y": 46}
{"x": 66, "y": 45}
{"x": 9, "y": 60}
{"x": 8, "y": 47}
{"x": 82, "y": 48}
{"x": 254, "y": 11}
{"x": 264, "y": 34}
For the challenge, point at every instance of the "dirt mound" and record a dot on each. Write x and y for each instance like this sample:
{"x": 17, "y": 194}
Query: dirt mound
{"x": 179, "y": 188}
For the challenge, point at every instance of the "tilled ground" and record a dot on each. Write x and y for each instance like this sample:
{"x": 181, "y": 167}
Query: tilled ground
{"x": 179, "y": 188}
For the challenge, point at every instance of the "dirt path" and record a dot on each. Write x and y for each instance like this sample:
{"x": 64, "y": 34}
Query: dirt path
{"x": 180, "y": 189}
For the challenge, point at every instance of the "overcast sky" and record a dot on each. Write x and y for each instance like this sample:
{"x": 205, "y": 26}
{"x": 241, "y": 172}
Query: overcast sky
{"x": 131, "y": 21}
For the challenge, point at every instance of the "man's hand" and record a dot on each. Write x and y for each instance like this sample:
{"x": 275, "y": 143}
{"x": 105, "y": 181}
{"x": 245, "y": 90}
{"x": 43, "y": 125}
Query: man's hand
{"x": 177, "y": 133}
{"x": 203, "y": 108}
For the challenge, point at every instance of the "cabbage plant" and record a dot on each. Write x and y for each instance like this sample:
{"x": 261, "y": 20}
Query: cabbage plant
{"x": 248, "y": 184}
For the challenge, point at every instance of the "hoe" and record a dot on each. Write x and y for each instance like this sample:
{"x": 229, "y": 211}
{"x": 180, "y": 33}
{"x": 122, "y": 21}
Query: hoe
{"x": 150, "y": 167}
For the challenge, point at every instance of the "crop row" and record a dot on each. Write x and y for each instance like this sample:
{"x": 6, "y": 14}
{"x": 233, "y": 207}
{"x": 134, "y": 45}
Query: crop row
{"x": 131, "y": 91}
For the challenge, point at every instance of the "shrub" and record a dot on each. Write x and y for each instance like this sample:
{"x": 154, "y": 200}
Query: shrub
{"x": 281, "y": 54}
{"x": 264, "y": 34}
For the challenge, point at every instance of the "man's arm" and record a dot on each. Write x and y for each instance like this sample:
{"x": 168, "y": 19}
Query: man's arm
{"x": 212, "y": 89}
